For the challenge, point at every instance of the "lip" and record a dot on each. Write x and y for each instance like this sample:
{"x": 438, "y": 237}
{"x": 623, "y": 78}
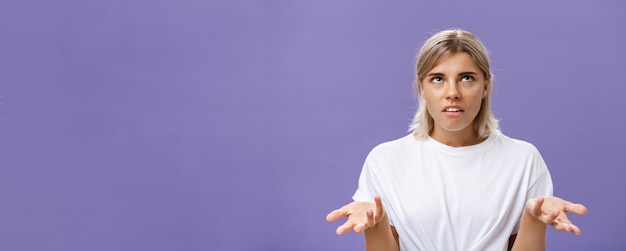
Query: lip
{"x": 453, "y": 106}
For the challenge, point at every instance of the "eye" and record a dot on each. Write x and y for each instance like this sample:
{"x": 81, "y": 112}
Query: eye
{"x": 467, "y": 78}
{"x": 436, "y": 79}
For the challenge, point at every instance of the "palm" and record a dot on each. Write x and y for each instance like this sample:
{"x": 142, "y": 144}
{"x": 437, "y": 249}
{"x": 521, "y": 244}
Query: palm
{"x": 360, "y": 215}
{"x": 552, "y": 211}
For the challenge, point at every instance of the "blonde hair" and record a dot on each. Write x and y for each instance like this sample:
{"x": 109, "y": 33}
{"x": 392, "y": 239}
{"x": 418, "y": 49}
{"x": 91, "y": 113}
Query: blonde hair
{"x": 435, "y": 49}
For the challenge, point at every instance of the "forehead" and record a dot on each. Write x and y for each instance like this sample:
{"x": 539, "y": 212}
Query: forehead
{"x": 455, "y": 62}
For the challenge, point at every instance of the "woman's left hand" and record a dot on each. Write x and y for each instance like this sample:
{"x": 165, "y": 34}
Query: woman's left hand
{"x": 552, "y": 211}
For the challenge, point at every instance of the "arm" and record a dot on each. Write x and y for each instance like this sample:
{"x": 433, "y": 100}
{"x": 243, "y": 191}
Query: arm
{"x": 540, "y": 212}
{"x": 381, "y": 237}
{"x": 369, "y": 218}
{"x": 531, "y": 235}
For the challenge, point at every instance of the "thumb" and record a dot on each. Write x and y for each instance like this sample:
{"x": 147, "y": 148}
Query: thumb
{"x": 334, "y": 215}
{"x": 380, "y": 210}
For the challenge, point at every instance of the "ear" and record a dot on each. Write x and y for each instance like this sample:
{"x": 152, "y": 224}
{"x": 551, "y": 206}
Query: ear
{"x": 486, "y": 89}
{"x": 419, "y": 89}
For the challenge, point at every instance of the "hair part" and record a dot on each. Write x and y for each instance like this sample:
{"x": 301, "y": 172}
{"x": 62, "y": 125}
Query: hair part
{"x": 436, "y": 49}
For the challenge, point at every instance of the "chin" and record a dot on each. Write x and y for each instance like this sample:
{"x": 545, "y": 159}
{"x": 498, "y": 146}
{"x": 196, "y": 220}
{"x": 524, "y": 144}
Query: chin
{"x": 455, "y": 128}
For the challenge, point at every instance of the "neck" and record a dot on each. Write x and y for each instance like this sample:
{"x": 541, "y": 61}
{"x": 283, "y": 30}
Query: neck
{"x": 466, "y": 137}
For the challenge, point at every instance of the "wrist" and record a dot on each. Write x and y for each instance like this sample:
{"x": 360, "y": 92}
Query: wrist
{"x": 531, "y": 234}
{"x": 530, "y": 222}
{"x": 382, "y": 224}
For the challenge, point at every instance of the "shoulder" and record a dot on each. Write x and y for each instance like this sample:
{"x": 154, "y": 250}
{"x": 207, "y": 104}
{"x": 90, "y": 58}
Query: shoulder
{"x": 393, "y": 147}
{"x": 516, "y": 145}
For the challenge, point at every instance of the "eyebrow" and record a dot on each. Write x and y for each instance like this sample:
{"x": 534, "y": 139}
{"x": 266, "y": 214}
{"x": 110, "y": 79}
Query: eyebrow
{"x": 435, "y": 74}
{"x": 468, "y": 73}
{"x": 438, "y": 74}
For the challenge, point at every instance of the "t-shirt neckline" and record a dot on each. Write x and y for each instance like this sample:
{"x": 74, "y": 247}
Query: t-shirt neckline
{"x": 462, "y": 149}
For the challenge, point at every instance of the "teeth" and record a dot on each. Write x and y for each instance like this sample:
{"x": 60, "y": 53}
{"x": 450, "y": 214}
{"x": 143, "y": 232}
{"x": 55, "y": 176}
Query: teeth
{"x": 453, "y": 110}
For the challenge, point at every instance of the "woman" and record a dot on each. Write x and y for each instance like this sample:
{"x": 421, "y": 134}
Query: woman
{"x": 456, "y": 182}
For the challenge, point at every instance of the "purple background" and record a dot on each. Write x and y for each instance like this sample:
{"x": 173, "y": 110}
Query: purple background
{"x": 237, "y": 125}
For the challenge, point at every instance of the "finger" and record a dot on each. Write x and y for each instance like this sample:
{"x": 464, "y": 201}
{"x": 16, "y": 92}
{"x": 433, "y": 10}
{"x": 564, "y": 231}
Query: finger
{"x": 558, "y": 226}
{"x": 567, "y": 227}
{"x": 574, "y": 229}
{"x": 562, "y": 218}
{"x": 370, "y": 218}
{"x": 575, "y": 208}
{"x": 358, "y": 228}
{"x": 537, "y": 206}
{"x": 335, "y": 215}
{"x": 345, "y": 228}
{"x": 380, "y": 210}
{"x": 553, "y": 216}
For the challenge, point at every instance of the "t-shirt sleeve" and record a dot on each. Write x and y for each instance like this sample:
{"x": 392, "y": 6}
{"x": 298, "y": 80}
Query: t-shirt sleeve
{"x": 540, "y": 181}
{"x": 366, "y": 186}
{"x": 370, "y": 182}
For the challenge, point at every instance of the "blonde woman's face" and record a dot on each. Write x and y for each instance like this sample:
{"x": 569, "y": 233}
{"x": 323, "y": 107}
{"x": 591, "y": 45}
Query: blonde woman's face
{"x": 453, "y": 91}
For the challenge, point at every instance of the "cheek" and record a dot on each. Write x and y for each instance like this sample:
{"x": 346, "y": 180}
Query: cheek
{"x": 430, "y": 107}
{"x": 429, "y": 94}
{"x": 477, "y": 105}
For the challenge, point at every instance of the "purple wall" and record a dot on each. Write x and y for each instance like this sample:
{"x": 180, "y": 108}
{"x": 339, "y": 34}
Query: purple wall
{"x": 237, "y": 125}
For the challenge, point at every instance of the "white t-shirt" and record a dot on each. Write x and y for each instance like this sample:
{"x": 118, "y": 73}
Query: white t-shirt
{"x": 440, "y": 197}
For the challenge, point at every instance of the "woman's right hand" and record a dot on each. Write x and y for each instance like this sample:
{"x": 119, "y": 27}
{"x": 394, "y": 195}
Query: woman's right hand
{"x": 361, "y": 215}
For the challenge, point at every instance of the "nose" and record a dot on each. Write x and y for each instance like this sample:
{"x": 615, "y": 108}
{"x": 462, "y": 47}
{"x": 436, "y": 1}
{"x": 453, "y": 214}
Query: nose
{"x": 452, "y": 91}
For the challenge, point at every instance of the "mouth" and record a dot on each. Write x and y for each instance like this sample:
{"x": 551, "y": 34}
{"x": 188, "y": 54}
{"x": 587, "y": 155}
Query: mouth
{"x": 453, "y": 109}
